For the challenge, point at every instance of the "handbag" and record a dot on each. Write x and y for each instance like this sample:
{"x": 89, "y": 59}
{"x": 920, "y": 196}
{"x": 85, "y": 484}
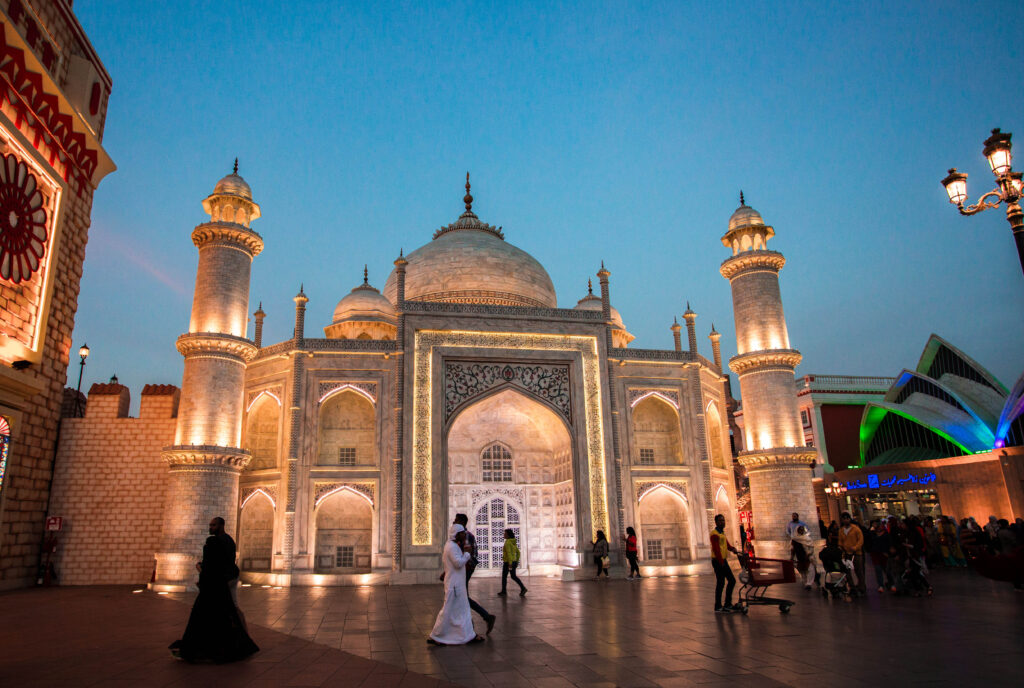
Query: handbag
{"x": 605, "y": 561}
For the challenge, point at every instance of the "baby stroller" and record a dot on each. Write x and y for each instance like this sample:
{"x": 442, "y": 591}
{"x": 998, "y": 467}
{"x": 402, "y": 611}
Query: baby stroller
{"x": 915, "y": 578}
{"x": 836, "y": 579}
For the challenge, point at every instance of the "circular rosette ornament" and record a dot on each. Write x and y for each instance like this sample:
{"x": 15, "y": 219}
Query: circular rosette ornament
{"x": 22, "y": 221}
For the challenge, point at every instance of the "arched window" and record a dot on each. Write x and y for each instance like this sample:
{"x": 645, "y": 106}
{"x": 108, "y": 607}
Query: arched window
{"x": 5, "y": 443}
{"x": 497, "y": 464}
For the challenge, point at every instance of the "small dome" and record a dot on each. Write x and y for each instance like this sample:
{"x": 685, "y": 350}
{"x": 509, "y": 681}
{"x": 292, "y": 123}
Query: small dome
{"x": 364, "y": 304}
{"x": 233, "y": 185}
{"x": 593, "y": 303}
{"x": 745, "y": 216}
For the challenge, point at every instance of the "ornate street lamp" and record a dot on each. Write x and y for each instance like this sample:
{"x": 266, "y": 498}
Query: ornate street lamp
{"x": 836, "y": 489}
{"x": 1008, "y": 187}
{"x": 84, "y": 353}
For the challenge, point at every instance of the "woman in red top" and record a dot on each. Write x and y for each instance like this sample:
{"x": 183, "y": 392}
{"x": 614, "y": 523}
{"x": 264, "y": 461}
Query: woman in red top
{"x": 631, "y": 553}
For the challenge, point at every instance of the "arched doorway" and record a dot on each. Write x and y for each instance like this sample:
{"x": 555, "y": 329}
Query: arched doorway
{"x": 656, "y": 432}
{"x": 256, "y": 533}
{"x": 510, "y": 466}
{"x": 664, "y": 527}
{"x": 344, "y": 522}
{"x": 491, "y": 519}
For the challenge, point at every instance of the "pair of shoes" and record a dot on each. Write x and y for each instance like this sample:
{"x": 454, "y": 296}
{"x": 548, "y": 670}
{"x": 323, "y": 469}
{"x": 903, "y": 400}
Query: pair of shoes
{"x": 807, "y": 587}
{"x": 892, "y": 589}
{"x": 522, "y": 593}
{"x": 881, "y": 588}
{"x": 629, "y": 577}
{"x": 724, "y": 610}
{"x": 501, "y": 594}
{"x": 490, "y": 624}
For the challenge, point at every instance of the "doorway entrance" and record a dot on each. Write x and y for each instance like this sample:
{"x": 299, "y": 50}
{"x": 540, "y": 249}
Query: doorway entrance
{"x": 491, "y": 520}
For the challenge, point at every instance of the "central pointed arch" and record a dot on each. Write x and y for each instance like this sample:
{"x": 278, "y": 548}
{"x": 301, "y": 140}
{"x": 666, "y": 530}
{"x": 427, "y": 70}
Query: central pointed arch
{"x": 512, "y": 455}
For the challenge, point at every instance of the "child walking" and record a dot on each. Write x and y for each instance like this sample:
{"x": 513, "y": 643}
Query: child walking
{"x": 510, "y": 562}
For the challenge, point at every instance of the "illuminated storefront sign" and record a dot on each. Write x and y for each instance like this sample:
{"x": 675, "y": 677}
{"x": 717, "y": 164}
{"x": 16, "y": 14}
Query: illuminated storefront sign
{"x": 898, "y": 481}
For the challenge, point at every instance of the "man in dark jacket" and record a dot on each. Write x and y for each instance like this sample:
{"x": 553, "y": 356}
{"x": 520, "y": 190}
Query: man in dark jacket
{"x": 488, "y": 618}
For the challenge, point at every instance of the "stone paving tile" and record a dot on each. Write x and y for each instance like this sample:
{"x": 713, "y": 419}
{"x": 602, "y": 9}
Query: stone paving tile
{"x": 660, "y": 632}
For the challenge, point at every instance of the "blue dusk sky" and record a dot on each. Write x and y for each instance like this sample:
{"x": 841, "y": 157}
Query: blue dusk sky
{"x": 611, "y": 131}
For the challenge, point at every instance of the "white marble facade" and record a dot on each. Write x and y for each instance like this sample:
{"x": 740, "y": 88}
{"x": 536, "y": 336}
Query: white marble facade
{"x": 464, "y": 388}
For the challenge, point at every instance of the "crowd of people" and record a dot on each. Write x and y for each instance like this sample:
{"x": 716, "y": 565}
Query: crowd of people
{"x": 903, "y": 551}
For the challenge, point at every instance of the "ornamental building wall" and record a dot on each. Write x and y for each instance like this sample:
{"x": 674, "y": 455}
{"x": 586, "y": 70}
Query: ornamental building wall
{"x": 51, "y": 127}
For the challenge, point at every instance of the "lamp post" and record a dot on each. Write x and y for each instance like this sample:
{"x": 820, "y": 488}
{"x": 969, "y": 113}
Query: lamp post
{"x": 84, "y": 353}
{"x": 836, "y": 490}
{"x": 1009, "y": 188}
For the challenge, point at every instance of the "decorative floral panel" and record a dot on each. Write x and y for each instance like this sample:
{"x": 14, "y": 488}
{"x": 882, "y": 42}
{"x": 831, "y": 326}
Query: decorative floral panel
{"x": 464, "y": 380}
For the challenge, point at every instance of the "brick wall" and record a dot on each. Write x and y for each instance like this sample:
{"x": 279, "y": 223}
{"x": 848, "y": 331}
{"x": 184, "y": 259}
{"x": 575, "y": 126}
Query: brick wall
{"x": 110, "y": 484}
{"x": 26, "y": 485}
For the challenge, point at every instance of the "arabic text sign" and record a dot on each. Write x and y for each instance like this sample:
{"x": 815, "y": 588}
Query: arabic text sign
{"x": 900, "y": 481}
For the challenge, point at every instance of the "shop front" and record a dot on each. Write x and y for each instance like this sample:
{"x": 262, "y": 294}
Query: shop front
{"x": 979, "y": 485}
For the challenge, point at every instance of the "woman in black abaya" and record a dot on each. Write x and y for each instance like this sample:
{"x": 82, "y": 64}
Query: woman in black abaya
{"x": 215, "y": 630}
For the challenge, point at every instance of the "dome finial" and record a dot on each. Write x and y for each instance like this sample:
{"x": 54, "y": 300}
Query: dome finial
{"x": 235, "y": 171}
{"x": 590, "y": 287}
{"x": 468, "y": 199}
{"x": 366, "y": 274}
{"x": 742, "y": 202}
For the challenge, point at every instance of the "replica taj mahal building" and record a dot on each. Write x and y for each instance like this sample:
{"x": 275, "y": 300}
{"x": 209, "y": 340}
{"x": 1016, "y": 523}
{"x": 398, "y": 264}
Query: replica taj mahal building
{"x": 460, "y": 386}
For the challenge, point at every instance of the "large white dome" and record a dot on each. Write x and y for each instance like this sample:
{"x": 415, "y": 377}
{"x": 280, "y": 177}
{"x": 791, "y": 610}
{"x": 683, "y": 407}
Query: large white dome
{"x": 470, "y": 262}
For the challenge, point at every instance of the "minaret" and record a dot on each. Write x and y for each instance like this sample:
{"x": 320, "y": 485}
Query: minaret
{"x": 716, "y": 347}
{"x": 677, "y": 339}
{"x": 691, "y": 327}
{"x": 259, "y": 316}
{"x": 206, "y": 458}
{"x": 777, "y": 462}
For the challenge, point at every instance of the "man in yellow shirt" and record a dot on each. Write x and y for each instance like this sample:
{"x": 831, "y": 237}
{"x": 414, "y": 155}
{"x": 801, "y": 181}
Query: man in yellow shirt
{"x": 720, "y": 549}
{"x": 510, "y": 562}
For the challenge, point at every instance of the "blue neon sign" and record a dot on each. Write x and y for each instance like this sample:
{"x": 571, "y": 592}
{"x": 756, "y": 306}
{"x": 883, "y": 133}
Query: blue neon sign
{"x": 875, "y": 483}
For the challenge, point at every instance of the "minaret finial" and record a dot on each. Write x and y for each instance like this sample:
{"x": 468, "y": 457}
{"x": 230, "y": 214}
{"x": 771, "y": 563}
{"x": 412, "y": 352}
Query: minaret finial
{"x": 235, "y": 171}
{"x": 366, "y": 274}
{"x": 742, "y": 202}
{"x": 590, "y": 287}
{"x": 468, "y": 198}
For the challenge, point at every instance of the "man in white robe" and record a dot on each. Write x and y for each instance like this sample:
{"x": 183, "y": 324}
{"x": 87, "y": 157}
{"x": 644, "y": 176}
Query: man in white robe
{"x": 454, "y": 624}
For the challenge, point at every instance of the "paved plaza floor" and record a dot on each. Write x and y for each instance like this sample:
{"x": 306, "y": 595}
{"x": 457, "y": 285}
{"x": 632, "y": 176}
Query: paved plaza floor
{"x": 655, "y": 632}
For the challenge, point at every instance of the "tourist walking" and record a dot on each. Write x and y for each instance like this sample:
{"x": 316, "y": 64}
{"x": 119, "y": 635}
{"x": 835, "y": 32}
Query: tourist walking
{"x": 793, "y": 524}
{"x": 878, "y": 548}
{"x": 949, "y": 543}
{"x": 600, "y": 545}
{"x": 510, "y": 562}
{"x": 631, "y": 553}
{"x": 803, "y": 553}
{"x": 454, "y": 623}
{"x": 463, "y": 520}
{"x": 215, "y": 630}
{"x": 851, "y": 541}
{"x": 720, "y": 549}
